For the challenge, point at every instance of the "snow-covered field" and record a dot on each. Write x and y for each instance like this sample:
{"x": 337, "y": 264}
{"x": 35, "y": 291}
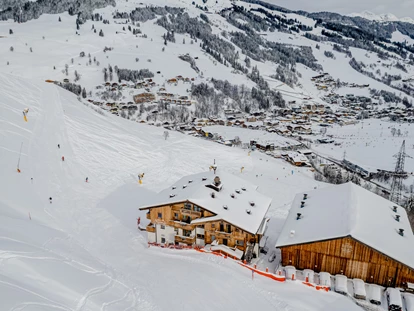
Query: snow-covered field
{"x": 83, "y": 252}
{"x": 370, "y": 144}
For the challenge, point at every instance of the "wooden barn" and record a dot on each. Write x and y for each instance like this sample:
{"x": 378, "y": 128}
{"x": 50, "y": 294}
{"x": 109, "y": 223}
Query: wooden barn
{"x": 346, "y": 229}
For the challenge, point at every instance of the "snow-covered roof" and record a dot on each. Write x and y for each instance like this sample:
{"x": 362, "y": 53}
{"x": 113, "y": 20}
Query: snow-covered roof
{"x": 349, "y": 210}
{"x": 244, "y": 192}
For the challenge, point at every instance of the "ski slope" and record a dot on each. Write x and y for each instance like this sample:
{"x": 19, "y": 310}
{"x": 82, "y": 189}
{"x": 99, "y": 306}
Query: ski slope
{"x": 83, "y": 251}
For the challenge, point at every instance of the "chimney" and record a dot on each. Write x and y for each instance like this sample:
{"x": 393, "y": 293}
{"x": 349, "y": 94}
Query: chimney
{"x": 394, "y": 208}
{"x": 305, "y": 196}
{"x": 174, "y": 187}
{"x": 190, "y": 181}
{"x": 172, "y": 195}
{"x": 232, "y": 195}
{"x": 292, "y": 233}
{"x": 184, "y": 186}
{"x": 237, "y": 191}
{"x": 302, "y": 204}
{"x": 204, "y": 178}
{"x": 213, "y": 195}
{"x": 248, "y": 211}
{"x": 401, "y": 232}
{"x": 217, "y": 181}
{"x": 298, "y": 216}
{"x": 397, "y": 217}
{"x": 225, "y": 207}
{"x": 244, "y": 189}
{"x": 251, "y": 203}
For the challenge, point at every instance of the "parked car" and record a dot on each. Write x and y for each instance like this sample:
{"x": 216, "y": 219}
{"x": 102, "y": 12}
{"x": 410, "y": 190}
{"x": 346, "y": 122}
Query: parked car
{"x": 409, "y": 301}
{"x": 394, "y": 299}
{"x": 341, "y": 286}
{"x": 359, "y": 289}
{"x": 325, "y": 279}
{"x": 374, "y": 294}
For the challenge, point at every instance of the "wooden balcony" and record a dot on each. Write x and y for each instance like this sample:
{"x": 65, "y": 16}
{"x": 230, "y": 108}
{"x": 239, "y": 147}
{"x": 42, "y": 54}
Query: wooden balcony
{"x": 181, "y": 225}
{"x": 184, "y": 239}
{"x": 222, "y": 234}
{"x": 191, "y": 213}
{"x": 151, "y": 228}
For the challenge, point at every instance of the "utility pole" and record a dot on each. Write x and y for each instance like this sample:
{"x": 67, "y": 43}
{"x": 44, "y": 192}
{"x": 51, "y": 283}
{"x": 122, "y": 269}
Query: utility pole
{"x": 398, "y": 175}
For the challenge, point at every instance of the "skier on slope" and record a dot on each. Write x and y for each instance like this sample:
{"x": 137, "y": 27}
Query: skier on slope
{"x": 63, "y": 158}
{"x": 86, "y": 179}
{"x": 59, "y": 146}
{"x": 50, "y": 200}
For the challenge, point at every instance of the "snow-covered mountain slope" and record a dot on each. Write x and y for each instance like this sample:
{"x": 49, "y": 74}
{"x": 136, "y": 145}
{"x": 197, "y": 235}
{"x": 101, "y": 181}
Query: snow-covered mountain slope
{"x": 287, "y": 49}
{"x": 82, "y": 251}
{"x": 387, "y": 17}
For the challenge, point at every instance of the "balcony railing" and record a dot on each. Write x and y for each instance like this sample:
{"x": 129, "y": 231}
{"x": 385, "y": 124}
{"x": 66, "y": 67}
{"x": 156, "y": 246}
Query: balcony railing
{"x": 150, "y": 228}
{"x": 190, "y": 212}
{"x": 184, "y": 239}
{"x": 181, "y": 225}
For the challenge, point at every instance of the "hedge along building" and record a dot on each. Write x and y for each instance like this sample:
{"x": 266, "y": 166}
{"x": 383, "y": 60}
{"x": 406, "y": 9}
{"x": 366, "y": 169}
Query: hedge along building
{"x": 226, "y": 212}
{"x": 348, "y": 230}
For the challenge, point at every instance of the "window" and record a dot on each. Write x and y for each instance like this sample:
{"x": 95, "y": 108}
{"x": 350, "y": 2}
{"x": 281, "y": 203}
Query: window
{"x": 200, "y": 236}
{"x": 239, "y": 242}
{"x": 163, "y": 227}
{"x": 197, "y": 208}
{"x": 176, "y": 230}
{"x": 160, "y": 215}
{"x": 176, "y": 216}
{"x": 228, "y": 228}
{"x": 162, "y": 240}
{"x": 213, "y": 225}
{"x": 186, "y": 232}
{"x": 187, "y": 206}
{"x": 186, "y": 219}
{"x": 213, "y": 237}
{"x": 200, "y": 226}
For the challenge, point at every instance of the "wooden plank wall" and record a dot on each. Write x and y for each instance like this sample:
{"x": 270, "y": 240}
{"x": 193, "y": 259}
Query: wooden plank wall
{"x": 349, "y": 257}
{"x": 210, "y": 228}
{"x": 213, "y": 229}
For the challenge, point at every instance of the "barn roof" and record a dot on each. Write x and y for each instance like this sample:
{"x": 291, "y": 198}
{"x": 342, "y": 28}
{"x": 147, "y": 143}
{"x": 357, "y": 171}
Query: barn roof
{"x": 349, "y": 210}
{"x": 193, "y": 188}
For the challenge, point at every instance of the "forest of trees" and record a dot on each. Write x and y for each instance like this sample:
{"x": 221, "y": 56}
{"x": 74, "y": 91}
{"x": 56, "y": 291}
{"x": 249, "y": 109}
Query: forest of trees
{"x": 23, "y": 11}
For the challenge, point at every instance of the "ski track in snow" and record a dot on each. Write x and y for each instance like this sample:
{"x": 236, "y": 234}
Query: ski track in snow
{"x": 76, "y": 234}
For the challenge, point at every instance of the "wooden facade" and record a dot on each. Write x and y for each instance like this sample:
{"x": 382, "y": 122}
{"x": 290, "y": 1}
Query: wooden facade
{"x": 349, "y": 257}
{"x": 179, "y": 215}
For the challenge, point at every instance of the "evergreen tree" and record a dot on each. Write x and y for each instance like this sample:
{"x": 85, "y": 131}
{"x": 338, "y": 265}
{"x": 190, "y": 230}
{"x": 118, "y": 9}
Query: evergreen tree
{"x": 84, "y": 93}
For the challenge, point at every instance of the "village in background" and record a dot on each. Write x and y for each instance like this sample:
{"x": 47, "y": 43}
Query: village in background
{"x": 234, "y": 154}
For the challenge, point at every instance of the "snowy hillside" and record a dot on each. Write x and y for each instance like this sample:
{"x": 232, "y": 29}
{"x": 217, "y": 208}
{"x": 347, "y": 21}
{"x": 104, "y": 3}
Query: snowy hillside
{"x": 388, "y": 17}
{"x": 269, "y": 54}
{"x": 82, "y": 251}
{"x": 94, "y": 76}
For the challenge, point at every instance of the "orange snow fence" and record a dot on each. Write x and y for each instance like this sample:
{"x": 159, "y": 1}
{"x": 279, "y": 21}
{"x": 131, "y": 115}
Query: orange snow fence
{"x": 25, "y": 118}
{"x": 265, "y": 274}
{"x": 326, "y": 289}
{"x": 49, "y": 81}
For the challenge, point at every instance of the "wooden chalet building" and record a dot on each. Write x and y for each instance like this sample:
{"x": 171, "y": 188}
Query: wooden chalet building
{"x": 346, "y": 229}
{"x": 226, "y": 213}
